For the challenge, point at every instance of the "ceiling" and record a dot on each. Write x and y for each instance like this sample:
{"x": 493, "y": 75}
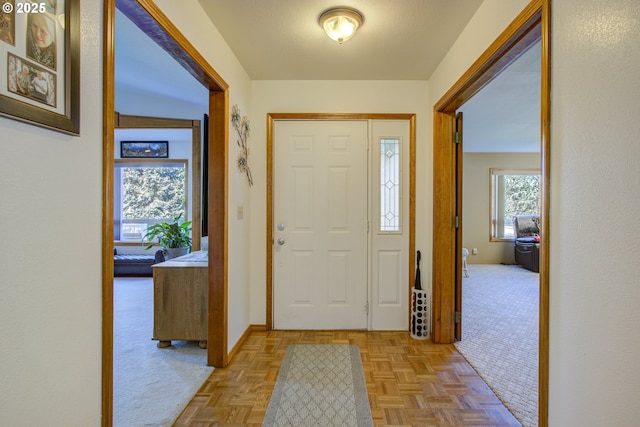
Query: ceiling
{"x": 142, "y": 66}
{"x": 505, "y": 115}
{"x": 399, "y": 40}
{"x": 282, "y": 40}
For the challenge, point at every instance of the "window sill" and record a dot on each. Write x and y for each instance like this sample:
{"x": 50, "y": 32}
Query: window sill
{"x": 501, "y": 239}
{"x": 130, "y": 243}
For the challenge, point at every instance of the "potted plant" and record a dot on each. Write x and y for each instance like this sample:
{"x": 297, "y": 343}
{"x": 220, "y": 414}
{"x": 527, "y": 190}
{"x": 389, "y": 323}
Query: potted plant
{"x": 174, "y": 237}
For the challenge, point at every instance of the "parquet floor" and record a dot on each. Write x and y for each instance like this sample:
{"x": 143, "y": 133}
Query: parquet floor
{"x": 409, "y": 382}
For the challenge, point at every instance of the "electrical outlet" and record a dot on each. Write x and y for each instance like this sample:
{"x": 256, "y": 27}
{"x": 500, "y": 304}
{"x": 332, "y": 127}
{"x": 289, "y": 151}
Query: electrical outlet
{"x": 474, "y": 251}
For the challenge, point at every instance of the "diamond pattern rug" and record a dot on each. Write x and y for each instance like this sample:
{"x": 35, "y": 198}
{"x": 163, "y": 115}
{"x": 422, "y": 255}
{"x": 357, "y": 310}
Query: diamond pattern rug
{"x": 320, "y": 385}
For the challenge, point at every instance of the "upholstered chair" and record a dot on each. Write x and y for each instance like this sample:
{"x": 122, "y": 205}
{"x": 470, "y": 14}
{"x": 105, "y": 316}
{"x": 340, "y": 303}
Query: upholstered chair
{"x": 526, "y": 229}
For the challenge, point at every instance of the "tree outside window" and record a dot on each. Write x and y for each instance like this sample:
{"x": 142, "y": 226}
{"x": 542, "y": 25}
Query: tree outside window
{"x": 513, "y": 192}
{"x": 147, "y": 192}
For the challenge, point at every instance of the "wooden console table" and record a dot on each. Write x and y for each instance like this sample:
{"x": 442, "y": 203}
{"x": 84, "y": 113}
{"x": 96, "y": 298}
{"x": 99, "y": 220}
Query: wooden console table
{"x": 180, "y": 299}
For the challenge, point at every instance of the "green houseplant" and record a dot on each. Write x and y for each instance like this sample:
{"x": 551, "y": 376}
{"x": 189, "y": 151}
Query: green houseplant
{"x": 174, "y": 237}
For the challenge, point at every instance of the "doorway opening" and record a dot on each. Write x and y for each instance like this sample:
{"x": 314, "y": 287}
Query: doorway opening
{"x": 500, "y": 296}
{"x": 531, "y": 26}
{"x": 150, "y": 19}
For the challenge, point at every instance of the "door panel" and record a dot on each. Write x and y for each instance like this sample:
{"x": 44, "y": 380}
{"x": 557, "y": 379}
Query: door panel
{"x": 388, "y": 288}
{"x": 390, "y": 224}
{"x": 320, "y": 225}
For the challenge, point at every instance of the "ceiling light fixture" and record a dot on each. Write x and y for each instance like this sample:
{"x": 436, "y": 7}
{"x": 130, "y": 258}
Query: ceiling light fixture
{"x": 340, "y": 23}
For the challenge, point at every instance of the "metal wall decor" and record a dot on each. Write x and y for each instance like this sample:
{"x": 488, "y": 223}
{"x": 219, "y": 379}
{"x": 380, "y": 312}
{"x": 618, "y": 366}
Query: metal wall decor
{"x": 241, "y": 125}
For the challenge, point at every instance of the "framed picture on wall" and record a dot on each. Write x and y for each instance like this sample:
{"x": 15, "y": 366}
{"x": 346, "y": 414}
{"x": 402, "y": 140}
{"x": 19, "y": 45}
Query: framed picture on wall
{"x": 144, "y": 149}
{"x": 40, "y": 51}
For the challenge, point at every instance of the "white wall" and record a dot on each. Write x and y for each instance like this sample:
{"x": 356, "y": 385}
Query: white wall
{"x": 476, "y": 202}
{"x": 136, "y": 102}
{"x": 192, "y": 21}
{"x": 331, "y": 97}
{"x": 491, "y": 18}
{"x": 595, "y": 192}
{"x": 50, "y": 262}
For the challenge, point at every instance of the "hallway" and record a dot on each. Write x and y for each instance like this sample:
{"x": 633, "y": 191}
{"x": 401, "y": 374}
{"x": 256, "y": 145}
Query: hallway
{"x": 409, "y": 382}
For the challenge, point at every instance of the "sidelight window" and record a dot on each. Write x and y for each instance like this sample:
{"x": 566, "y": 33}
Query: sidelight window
{"x": 390, "y": 173}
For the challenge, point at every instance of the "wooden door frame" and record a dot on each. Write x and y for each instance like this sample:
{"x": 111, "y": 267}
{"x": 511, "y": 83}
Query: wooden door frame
{"x": 271, "y": 118}
{"x": 459, "y": 167}
{"x": 531, "y": 25}
{"x": 150, "y": 19}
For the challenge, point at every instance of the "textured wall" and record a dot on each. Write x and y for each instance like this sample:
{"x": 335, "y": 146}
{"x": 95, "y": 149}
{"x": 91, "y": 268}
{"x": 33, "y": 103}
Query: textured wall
{"x": 50, "y": 269}
{"x": 595, "y": 189}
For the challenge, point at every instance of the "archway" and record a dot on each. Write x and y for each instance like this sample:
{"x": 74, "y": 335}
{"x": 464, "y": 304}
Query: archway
{"x": 533, "y": 24}
{"x": 150, "y": 19}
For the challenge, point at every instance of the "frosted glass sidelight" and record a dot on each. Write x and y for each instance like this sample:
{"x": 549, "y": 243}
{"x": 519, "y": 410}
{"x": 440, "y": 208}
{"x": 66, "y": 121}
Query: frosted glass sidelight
{"x": 390, "y": 184}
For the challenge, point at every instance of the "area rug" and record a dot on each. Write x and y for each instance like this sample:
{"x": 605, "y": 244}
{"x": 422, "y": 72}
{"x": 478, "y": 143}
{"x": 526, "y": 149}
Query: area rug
{"x": 500, "y": 306}
{"x": 151, "y": 385}
{"x": 320, "y": 385}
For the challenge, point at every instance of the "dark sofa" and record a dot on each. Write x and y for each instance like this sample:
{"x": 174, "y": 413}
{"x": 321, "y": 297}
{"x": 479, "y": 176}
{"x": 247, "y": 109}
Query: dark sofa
{"x": 135, "y": 264}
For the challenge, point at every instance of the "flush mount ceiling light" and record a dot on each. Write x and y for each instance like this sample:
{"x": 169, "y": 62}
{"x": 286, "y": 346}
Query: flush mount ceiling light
{"x": 340, "y": 23}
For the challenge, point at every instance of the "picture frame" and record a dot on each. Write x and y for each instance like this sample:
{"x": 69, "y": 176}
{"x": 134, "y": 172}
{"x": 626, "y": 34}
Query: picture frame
{"x": 40, "y": 52}
{"x": 144, "y": 149}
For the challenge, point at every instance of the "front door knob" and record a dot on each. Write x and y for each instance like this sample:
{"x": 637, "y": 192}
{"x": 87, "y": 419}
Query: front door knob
{"x": 281, "y": 241}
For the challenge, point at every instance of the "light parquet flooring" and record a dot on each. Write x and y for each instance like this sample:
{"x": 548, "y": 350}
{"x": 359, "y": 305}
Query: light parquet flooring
{"x": 409, "y": 382}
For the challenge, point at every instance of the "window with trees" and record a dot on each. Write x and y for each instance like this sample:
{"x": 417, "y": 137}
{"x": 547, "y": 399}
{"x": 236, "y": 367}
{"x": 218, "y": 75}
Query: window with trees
{"x": 147, "y": 192}
{"x": 513, "y": 192}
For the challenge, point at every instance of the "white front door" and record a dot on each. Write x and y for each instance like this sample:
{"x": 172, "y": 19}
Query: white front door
{"x": 320, "y": 219}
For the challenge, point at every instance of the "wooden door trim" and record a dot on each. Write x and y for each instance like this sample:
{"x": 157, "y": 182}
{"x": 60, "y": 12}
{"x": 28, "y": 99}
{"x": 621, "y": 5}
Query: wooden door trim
{"x": 459, "y": 168}
{"x": 150, "y": 19}
{"x": 271, "y": 118}
{"x": 531, "y": 25}
{"x": 444, "y": 257}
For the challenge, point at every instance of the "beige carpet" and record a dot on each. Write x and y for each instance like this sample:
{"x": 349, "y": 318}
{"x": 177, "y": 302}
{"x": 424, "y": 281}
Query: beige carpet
{"x": 151, "y": 386}
{"x": 500, "y": 334}
{"x": 320, "y": 385}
